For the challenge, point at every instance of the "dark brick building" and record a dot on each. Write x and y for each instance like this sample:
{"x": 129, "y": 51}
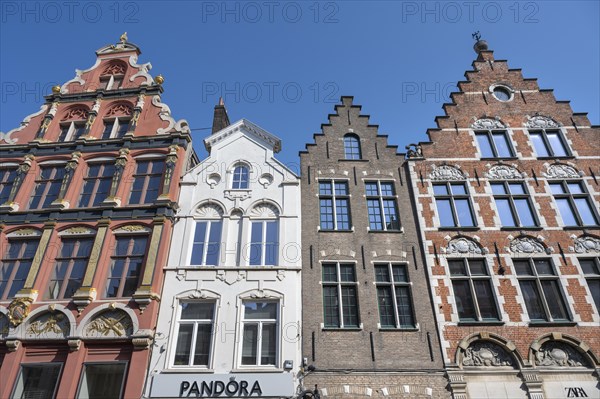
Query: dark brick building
{"x": 368, "y": 325}
{"x": 507, "y": 199}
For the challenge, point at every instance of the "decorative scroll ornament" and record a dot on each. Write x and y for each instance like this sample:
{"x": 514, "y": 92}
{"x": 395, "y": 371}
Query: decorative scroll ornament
{"x": 231, "y": 277}
{"x": 447, "y": 172}
{"x": 133, "y": 228}
{"x": 49, "y": 325}
{"x": 77, "y": 230}
{"x": 553, "y": 353}
{"x": 482, "y": 353}
{"x": 6, "y": 136}
{"x": 265, "y": 210}
{"x": 585, "y": 244}
{"x": 26, "y": 232}
{"x": 487, "y": 124}
{"x": 540, "y": 122}
{"x": 561, "y": 171}
{"x": 113, "y": 323}
{"x": 527, "y": 245}
{"x": 76, "y": 114}
{"x": 165, "y": 114}
{"x": 504, "y": 172}
{"x": 210, "y": 211}
{"x": 18, "y": 310}
{"x": 119, "y": 110}
{"x": 464, "y": 245}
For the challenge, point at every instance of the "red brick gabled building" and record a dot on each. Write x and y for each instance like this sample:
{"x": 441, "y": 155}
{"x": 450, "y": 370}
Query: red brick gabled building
{"x": 88, "y": 191}
{"x": 507, "y": 197}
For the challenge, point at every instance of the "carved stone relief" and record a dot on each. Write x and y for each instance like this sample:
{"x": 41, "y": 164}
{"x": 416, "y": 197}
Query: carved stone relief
{"x": 50, "y": 325}
{"x": 553, "y": 353}
{"x": 447, "y": 172}
{"x": 487, "y": 123}
{"x": 463, "y": 245}
{"x": 585, "y": 245}
{"x": 111, "y": 324}
{"x": 4, "y": 325}
{"x": 540, "y": 122}
{"x": 486, "y": 354}
{"x": 265, "y": 210}
{"x": 526, "y": 245}
{"x": 501, "y": 172}
{"x": 561, "y": 171}
{"x": 210, "y": 211}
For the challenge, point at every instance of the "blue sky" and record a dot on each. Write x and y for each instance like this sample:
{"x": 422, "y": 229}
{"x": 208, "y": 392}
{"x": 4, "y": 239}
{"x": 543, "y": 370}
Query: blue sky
{"x": 283, "y": 65}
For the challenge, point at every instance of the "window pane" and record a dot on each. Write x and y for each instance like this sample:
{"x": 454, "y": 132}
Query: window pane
{"x": 478, "y": 268}
{"x": 351, "y": 147}
{"x": 249, "y": 345}
{"x": 240, "y": 177}
{"x": 387, "y": 189}
{"x": 516, "y": 188}
{"x": 498, "y": 188}
{"x": 331, "y": 307}
{"x": 538, "y": 143}
{"x": 502, "y": 144}
{"x": 566, "y": 212}
{"x": 575, "y": 188}
{"x": 458, "y": 189}
{"x": 371, "y": 189}
{"x": 556, "y": 143}
{"x": 440, "y": 189}
{"x": 214, "y": 243}
{"x": 256, "y": 244}
{"x": 102, "y": 381}
{"x": 197, "y": 311}
{"x": 375, "y": 217}
{"x": 386, "y": 307}
{"x": 269, "y": 344}
{"x": 400, "y": 275}
{"x": 325, "y": 188}
{"x": 532, "y": 300}
{"x": 464, "y": 300}
{"x": 272, "y": 244}
{"x": 349, "y": 306}
{"x": 506, "y": 216}
{"x": 463, "y": 210}
{"x": 342, "y": 214}
{"x": 589, "y": 266}
{"x": 184, "y": 345}
{"x": 445, "y": 212}
{"x": 347, "y": 273}
{"x": 382, "y": 273}
{"x": 404, "y": 303}
{"x": 554, "y": 299}
{"x": 7, "y": 176}
{"x": 523, "y": 268}
{"x": 543, "y": 267}
{"x": 326, "y": 212}
{"x": 485, "y": 299}
{"x": 329, "y": 273}
{"x": 594, "y": 286}
{"x": 37, "y": 381}
{"x": 525, "y": 213}
{"x": 198, "y": 246}
{"x": 485, "y": 146}
{"x": 341, "y": 188}
{"x": 202, "y": 349}
{"x": 457, "y": 268}
{"x": 557, "y": 188}
{"x": 260, "y": 310}
{"x": 585, "y": 211}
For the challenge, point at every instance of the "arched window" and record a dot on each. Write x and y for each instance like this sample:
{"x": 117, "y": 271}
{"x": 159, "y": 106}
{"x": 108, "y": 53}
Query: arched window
{"x": 112, "y": 77}
{"x": 116, "y": 121}
{"x": 352, "y": 147}
{"x": 207, "y": 236}
{"x": 264, "y": 236}
{"x": 72, "y": 126}
{"x": 241, "y": 176}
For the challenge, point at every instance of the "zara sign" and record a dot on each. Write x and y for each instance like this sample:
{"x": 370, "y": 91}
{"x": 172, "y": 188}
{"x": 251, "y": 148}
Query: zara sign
{"x": 246, "y": 385}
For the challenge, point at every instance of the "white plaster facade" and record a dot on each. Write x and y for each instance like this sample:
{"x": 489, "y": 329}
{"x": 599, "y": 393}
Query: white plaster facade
{"x": 228, "y": 280}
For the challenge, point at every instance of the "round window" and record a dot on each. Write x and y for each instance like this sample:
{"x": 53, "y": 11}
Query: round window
{"x": 502, "y": 93}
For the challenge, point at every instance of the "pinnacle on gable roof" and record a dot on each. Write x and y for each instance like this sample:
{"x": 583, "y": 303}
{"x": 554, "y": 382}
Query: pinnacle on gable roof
{"x": 220, "y": 117}
{"x": 481, "y": 48}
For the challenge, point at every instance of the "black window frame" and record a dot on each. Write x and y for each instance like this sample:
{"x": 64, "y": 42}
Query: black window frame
{"x": 547, "y": 144}
{"x": 392, "y": 284}
{"x": 84, "y": 370}
{"x": 39, "y": 365}
{"x": 24, "y": 259}
{"x": 452, "y": 197}
{"x": 339, "y": 284}
{"x": 43, "y": 186}
{"x": 585, "y": 194}
{"x": 71, "y": 259}
{"x": 127, "y": 257}
{"x": 592, "y": 277}
{"x": 380, "y": 198}
{"x": 334, "y": 197}
{"x": 489, "y": 134}
{"x": 511, "y": 201}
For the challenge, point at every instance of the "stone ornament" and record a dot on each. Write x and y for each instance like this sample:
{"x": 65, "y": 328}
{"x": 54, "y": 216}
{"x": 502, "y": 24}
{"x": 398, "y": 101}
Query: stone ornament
{"x": 504, "y": 172}
{"x": 585, "y": 244}
{"x": 120, "y": 109}
{"x": 264, "y": 210}
{"x": 165, "y": 115}
{"x": 464, "y": 245}
{"x": 447, "y": 172}
{"x": 486, "y": 354}
{"x": 266, "y": 179}
{"x": 558, "y": 354}
{"x": 414, "y": 151}
{"x": 561, "y": 171}
{"x": 133, "y": 228}
{"x": 487, "y": 124}
{"x": 6, "y": 136}
{"x": 210, "y": 211}
{"x": 76, "y": 114}
{"x": 18, "y": 310}
{"x": 114, "y": 68}
{"x": 526, "y": 245}
{"x": 50, "y": 325}
{"x": 77, "y": 230}
{"x": 110, "y": 324}
{"x": 540, "y": 122}
{"x": 213, "y": 179}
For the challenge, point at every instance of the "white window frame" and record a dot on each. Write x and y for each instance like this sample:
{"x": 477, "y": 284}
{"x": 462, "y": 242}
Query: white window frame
{"x": 260, "y": 322}
{"x": 209, "y": 223}
{"x": 178, "y": 322}
{"x": 263, "y": 242}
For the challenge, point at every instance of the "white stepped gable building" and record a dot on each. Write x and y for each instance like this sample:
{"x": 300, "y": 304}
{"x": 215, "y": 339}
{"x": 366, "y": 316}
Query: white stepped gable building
{"x": 229, "y": 321}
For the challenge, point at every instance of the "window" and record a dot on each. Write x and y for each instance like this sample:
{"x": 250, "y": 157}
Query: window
{"x": 15, "y": 266}
{"x": 126, "y": 266}
{"x": 115, "y": 128}
{"x": 37, "y": 381}
{"x": 259, "y": 341}
{"x": 494, "y": 144}
{"x": 70, "y": 267}
{"x": 352, "y": 147}
{"x": 7, "y": 176}
{"x": 541, "y": 290}
{"x": 591, "y": 270}
{"x": 502, "y": 93}
{"x": 240, "y": 177}
{"x": 207, "y": 243}
{"x": 393, "y": 296}
{"x": 111, "y": 82}
{"x": 194, "y": 334}
{"x": 381, "y": 205}
{"x": 47, "y": 186}
{"x": 102, "y": 380}
{"x": 334, "y": 205}
{"x": 574, "y": 203}
{"x": 340, "y": 301}
{"x": 264, "y": 243}
{"x": 513, "y": 204}
{"x": 146, "y": 181}
{"x": 453, "y": 205}
{"x": 96, "y": 186}
{"x": 549, "y": 143}
{"x": 473, "y": 291}
{"x": 71, "y": 131}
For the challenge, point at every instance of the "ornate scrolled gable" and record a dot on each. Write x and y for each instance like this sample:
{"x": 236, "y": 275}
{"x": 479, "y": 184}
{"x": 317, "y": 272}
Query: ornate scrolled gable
{"x": 561, "y": 171}
{"x": 541, "y": 122}
{"x": 447, "y": 172}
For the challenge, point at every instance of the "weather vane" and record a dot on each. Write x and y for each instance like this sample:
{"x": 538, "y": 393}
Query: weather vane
{"x": 476, "y": 36}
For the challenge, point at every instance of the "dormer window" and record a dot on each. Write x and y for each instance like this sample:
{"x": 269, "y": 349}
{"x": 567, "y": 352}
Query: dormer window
{"x": 112, "y": 77}
{"x": 241, "y": 176}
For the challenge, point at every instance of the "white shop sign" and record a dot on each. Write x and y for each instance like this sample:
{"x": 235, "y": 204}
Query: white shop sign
{"x": 244, "y": 385}
{"x": 571, "y": 389}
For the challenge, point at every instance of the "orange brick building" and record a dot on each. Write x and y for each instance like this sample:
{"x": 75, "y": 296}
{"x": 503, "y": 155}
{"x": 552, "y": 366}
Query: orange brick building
{"x": 507, "y": 197}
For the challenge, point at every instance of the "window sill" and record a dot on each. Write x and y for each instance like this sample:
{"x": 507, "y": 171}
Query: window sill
{"x": 562, "y": 157}
{"x": 515, "y": 228}
{"x": 187, "y": 370}
{"x": 589, "y": 226}
{"x": 552, "y": 324}
{"x": 353, "y": 329}
{"x": 480, "y": 323}
{"x": 401, "y": 329}
{"x": 385, "y": 231}
{"x": 258, "y": 369}
{"x": 335, "y": 231}
{"x": 511, "y": 158}
{"x": 353, "y": 160}
{"x": 455, "y": 228}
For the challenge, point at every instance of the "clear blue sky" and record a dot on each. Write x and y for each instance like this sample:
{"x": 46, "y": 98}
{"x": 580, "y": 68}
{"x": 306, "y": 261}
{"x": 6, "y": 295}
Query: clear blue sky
{"x": 283, "y": 65}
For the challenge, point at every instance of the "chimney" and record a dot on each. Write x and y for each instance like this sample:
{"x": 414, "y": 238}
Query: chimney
{"x": 220, "y": 118}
